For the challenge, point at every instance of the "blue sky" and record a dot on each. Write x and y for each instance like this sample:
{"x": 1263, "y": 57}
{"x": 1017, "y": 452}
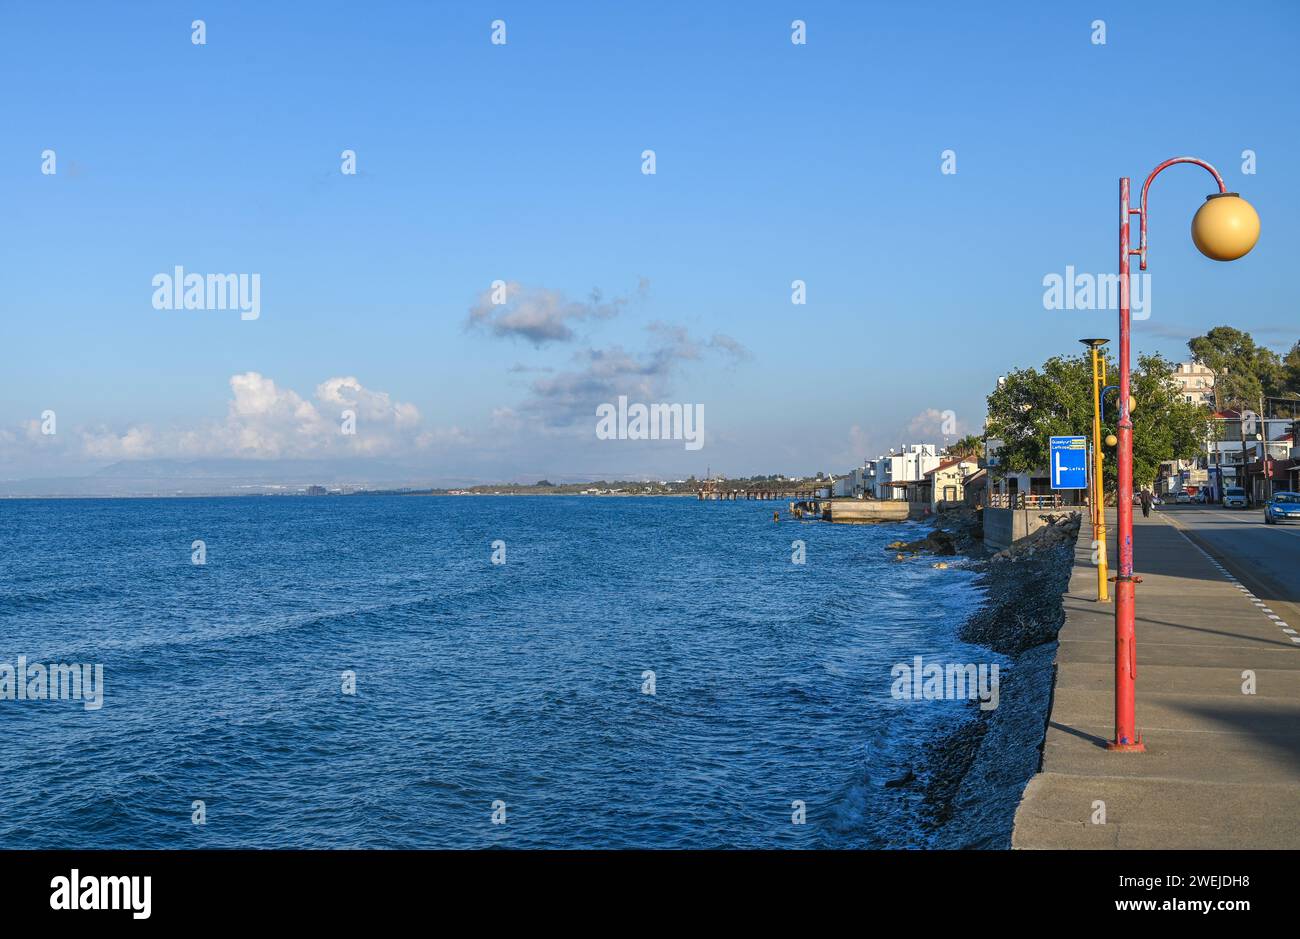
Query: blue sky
{"x": 522, "y": 162}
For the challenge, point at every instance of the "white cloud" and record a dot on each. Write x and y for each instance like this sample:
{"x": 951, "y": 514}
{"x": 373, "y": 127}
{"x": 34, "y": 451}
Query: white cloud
{"x": 263, "y": 421}
{"x": 860, "y": 444}
{"x": 929, "y": 426}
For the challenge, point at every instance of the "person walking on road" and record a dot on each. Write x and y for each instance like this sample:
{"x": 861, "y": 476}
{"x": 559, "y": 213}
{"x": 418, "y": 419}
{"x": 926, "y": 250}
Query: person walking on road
{"x": 1146, "y": 503}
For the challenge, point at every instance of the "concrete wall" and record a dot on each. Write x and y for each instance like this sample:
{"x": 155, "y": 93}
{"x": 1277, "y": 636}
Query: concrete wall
{"x": 868, "y": 510}
{"x": 919, "y": 510}
{"x": 1004, "y": 526}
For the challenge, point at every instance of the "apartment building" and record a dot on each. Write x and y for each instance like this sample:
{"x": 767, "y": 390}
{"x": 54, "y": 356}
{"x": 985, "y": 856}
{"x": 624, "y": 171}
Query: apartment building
{"x": 1195, "y": 383}
{"x": 892, "y": 471}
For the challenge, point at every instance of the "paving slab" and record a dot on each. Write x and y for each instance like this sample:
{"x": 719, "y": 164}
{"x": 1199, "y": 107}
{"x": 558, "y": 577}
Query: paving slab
{"x": 1222, "y": 767}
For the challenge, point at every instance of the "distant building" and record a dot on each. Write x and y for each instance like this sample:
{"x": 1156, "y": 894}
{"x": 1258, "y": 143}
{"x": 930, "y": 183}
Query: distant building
{"x": 975, "y": 488}
{"x": 1237, "y": 456}
{"x": 906, "y": 466}
{"x": 1195, "y": 383}
{"x": 852, "y": 485}
{"x": 1009, "y": 487}
{"x": 317, "y": 491}
{"x": 948, "y": 481}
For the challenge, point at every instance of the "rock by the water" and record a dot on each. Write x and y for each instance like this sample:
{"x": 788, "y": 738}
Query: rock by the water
{"x": 936, "y": 542}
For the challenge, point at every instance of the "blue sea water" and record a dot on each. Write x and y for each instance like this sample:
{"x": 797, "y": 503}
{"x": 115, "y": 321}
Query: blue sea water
{"x": 520, "y": 682}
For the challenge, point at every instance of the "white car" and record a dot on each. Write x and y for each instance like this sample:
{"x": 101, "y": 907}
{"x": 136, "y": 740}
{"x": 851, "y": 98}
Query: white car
{"x": 1234, "y": 497}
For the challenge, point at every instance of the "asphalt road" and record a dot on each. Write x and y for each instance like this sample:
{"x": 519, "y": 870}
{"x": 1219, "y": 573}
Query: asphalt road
{"x": 1266, "y": 558}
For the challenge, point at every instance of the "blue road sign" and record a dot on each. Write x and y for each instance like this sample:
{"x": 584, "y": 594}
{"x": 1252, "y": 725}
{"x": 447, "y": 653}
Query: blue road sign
{"x": 1069, "y": 462}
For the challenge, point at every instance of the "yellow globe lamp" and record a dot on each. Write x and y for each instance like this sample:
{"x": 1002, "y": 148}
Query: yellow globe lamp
{"x": 1111, "y": 440}
{"x": 1226, "y": 227}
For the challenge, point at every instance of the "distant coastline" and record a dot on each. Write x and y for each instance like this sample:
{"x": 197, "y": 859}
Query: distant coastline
{"x": 351, "y": 494}
{"x": 237, "y": 480}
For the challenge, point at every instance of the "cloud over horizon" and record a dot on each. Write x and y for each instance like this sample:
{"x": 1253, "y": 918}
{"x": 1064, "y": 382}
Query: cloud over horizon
{"x": 263, "y": 421}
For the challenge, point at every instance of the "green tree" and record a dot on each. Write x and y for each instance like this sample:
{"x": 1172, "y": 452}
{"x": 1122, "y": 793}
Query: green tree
{"x": 1243, "y": 371}
{"x": 1032, "y": 405}
{"x": 1291, "y": 372}
{"x": 970, "y": 445}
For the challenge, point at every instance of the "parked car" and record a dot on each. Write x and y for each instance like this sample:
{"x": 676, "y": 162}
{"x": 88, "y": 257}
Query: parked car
{"x": 1234, "y": 497}
{"x": 1283, "y": 507}
{"x": 1182, "y": 498}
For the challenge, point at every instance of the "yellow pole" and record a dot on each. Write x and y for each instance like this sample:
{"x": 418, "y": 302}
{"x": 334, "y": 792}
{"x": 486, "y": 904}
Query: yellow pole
{"x": 1098, "y": 493}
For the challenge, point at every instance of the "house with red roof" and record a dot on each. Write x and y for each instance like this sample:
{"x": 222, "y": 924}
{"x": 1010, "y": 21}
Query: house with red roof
{"x": 947, "y": 481}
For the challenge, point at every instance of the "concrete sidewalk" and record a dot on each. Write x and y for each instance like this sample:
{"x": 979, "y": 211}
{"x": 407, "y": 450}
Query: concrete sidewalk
{"x": 1222, "y": 768}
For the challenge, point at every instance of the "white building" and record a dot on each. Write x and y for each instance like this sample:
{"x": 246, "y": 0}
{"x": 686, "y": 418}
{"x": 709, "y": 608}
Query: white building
{"x": 1226, "y": 452}
{"x": 908, "y": 465}
{"x": 853, "y": 484}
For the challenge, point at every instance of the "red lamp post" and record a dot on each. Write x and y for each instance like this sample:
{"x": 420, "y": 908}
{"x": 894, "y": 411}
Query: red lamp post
{"x": 1224, "y": 229}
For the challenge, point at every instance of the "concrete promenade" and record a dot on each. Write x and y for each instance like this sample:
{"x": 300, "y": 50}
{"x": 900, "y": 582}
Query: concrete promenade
{"x": 1222, "y": 768}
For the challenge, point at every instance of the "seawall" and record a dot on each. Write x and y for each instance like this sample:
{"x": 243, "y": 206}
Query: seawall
{"x": 1003, "y": 527}
{"x": 977, "y": 773}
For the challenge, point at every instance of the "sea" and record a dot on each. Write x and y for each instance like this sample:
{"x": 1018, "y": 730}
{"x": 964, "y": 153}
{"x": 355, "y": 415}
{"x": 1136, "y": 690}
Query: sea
{"x": 470, "y": 672}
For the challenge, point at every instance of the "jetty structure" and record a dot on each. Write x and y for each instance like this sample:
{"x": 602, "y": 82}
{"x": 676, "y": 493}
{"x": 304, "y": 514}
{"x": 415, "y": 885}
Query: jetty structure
{"x": 858, "y": 511}
{"x": 711, "y": 494}
{"x": 815, "y": 502}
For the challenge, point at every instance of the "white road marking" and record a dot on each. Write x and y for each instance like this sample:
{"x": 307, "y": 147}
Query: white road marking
{"x": 1259, "y": 604}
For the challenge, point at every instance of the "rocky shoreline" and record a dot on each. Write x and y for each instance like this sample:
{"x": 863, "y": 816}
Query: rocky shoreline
{"x": 971, "y": 779}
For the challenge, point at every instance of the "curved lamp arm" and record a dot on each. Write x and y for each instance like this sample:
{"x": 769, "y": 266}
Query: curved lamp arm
{"x": 1101, "y": 400}
{"x": 1142, "y": 238}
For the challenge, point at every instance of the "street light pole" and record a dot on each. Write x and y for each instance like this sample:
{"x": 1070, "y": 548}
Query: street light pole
{"x": 1224, "y": 229}
{"x": 1098, "y": 499}
{"x": 1241, "y": 474}
{"x": 1263, "y": 450}
{"x": 1126, "y": 737}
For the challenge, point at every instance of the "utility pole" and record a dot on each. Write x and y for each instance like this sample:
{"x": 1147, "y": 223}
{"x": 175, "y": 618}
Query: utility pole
{"x": 1241, "y": 428}
{"x": 1263, "y": 449}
